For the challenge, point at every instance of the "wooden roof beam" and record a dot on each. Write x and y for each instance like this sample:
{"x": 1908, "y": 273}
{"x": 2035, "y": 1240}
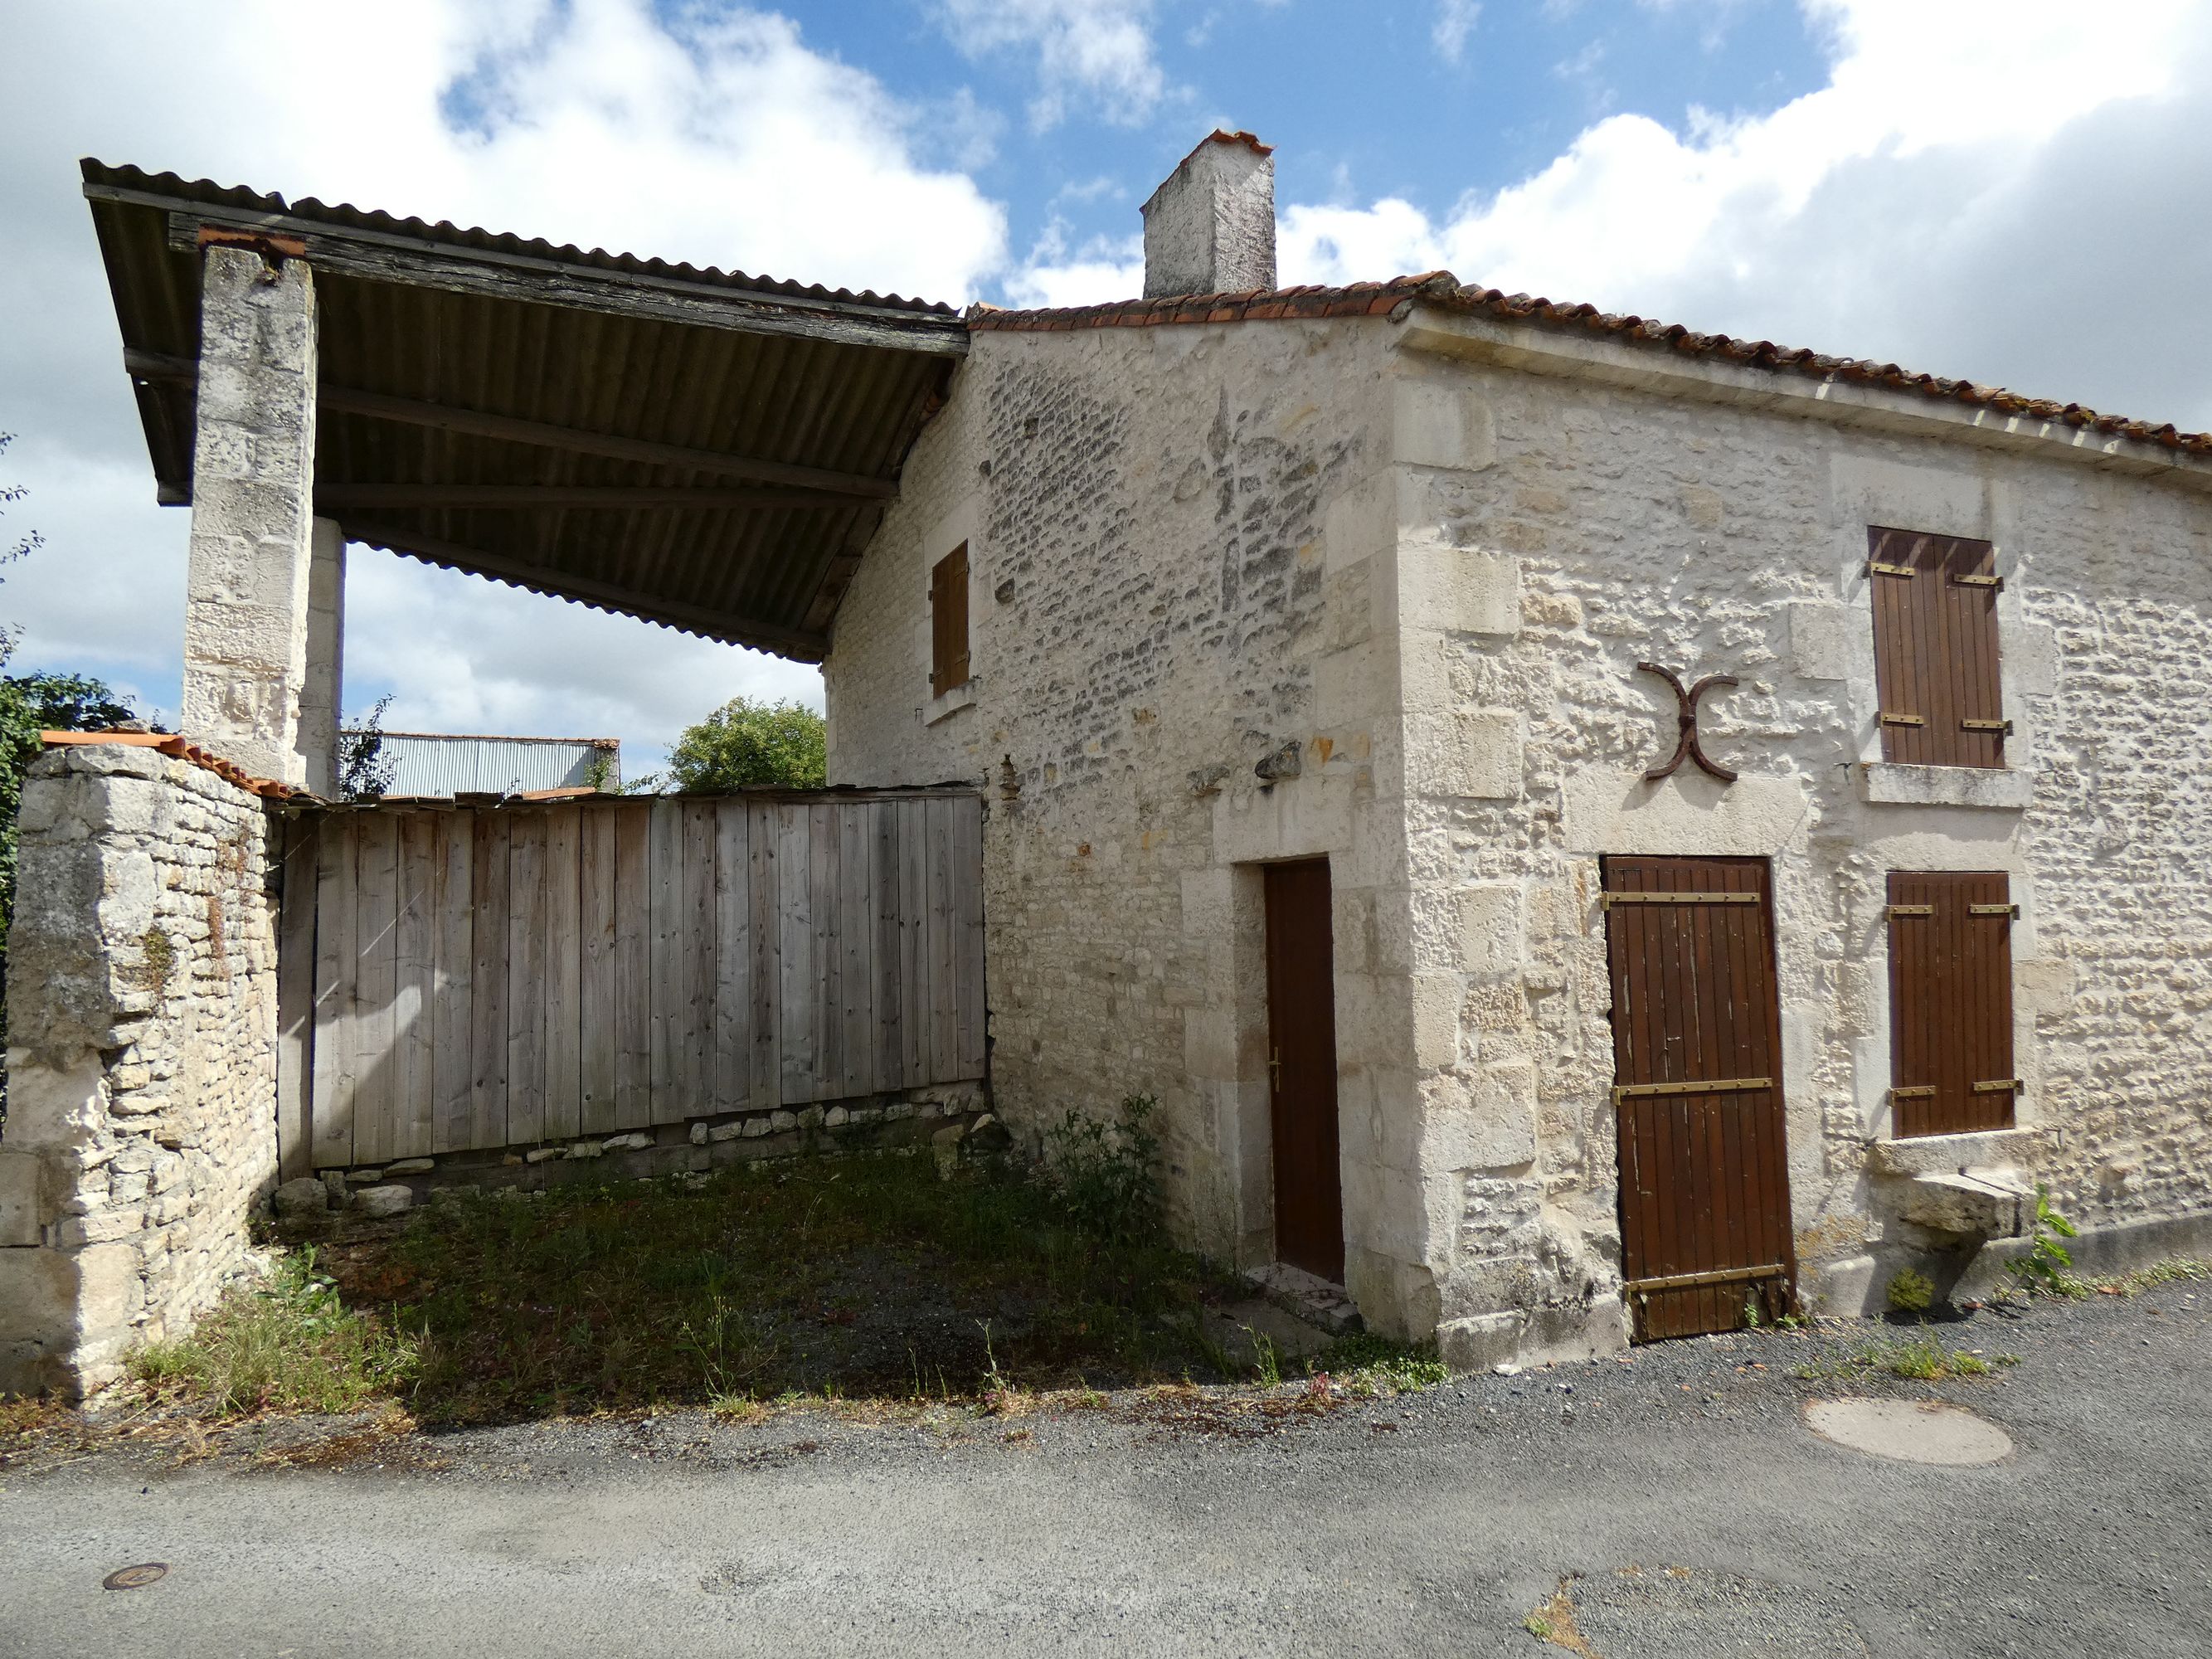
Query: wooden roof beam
{"x": 342, "y": 498}
{"x": 512, "y": 428}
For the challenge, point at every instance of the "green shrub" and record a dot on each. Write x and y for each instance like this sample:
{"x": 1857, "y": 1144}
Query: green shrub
{"x": 1105, "y": 1175}
{"x": 1911, "y": 1293}
{"x": 2048, "y": 1265}
{"x": 290, "y": 1346}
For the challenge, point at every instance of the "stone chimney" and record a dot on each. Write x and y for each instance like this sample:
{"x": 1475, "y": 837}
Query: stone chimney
{"x": 1210, "y": 228}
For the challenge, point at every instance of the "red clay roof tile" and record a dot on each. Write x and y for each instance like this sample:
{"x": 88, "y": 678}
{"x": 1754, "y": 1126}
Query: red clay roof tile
{"x": 206, "y": 759}
{"x": 1442, "y": 289}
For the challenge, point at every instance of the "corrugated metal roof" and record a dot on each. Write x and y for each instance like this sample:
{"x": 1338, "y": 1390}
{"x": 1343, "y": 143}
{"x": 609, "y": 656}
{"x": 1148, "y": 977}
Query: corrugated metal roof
{"x": 605, "y": 345}
{"x": 436, "y": 763}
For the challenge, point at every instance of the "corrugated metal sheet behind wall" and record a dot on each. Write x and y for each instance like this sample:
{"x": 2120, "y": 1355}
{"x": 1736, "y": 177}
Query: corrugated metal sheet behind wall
{"x": 431, "y": 763}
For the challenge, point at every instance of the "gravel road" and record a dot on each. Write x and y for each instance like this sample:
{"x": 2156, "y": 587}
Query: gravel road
{"x": 1672, "y": 1505}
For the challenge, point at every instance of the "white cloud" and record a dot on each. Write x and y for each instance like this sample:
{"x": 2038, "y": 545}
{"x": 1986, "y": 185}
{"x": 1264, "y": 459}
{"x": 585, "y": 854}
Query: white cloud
{"x": 1099, "y": 50}
{"x": 717, "y": 137}
{"x": 1455, "y": 20}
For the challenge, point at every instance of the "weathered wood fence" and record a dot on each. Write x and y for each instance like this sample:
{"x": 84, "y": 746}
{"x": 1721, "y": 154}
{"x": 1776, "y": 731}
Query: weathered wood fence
{"x": 456, "y": 977}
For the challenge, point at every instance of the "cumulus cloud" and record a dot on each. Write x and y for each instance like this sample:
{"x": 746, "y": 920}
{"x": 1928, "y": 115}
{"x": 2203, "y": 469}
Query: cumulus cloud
{"x": 1098, "y": 51}
{"x": 2010, "y": 190}
{"x": 719, "y": 137}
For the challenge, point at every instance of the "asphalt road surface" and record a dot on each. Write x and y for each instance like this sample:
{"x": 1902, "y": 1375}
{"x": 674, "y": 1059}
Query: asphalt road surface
{"x": 1674, "y": 1505}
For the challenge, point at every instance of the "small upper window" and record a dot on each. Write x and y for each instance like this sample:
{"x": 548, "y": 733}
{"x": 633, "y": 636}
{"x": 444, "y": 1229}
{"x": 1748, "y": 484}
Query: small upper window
{"x": 1935, "y": 648}
{"x": 948, "y": 621}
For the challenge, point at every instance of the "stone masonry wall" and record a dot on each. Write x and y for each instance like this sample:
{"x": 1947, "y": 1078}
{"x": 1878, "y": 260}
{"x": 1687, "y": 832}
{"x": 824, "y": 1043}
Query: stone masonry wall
{"x": 1150, "y": 607}
{"x": 142, "y": 1066}
{"x": 1193, "y": 548}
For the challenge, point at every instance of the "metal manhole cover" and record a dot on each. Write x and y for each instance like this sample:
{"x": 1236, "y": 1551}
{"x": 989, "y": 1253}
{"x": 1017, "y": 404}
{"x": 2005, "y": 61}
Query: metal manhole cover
{"x": 137, "y": 1578}
{"x": 1911, "y": 1431}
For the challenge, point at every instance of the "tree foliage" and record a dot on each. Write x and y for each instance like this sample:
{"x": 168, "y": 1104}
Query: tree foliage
{"x": 745, "y": 743}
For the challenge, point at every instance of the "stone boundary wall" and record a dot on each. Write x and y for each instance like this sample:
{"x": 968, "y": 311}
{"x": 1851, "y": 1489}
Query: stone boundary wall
{"x": 142, "y": 1066}
{"x": 944, "y": 1115}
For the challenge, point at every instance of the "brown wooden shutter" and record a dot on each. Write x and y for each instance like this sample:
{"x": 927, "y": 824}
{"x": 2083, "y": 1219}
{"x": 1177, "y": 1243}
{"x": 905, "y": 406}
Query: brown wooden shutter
{"x": 948, "y": 621}
{"x": 1935, "y": 648}
{"x": 1950, "y": 1003}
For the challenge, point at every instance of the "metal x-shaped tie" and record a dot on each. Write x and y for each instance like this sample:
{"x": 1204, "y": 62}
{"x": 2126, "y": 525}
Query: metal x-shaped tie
{"x": 1687, "y": 745}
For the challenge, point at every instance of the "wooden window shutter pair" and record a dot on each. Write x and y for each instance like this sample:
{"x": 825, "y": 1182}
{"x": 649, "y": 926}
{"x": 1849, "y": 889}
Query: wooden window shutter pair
{"x": 1935, "y": 648}
{"x": 1950, "y": 1003}
{"x": 948, "y": 621}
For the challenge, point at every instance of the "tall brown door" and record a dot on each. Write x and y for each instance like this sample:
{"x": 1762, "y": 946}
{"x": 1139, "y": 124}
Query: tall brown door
{"x": 1302, "y": 1068}
{"x": 1697, "y": 1046}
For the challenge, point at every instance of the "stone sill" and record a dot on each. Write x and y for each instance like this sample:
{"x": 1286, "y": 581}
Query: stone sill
{"x": 1999, "y": 789}
{"x": 1982, "y": 1149}
{"x": 949, "y": 703}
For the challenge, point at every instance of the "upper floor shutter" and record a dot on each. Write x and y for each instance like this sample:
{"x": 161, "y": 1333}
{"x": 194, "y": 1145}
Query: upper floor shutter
{"x": 948, "y": 621}
{"x": 1950, "y": 1002}
{"x": 1935, "y": 648}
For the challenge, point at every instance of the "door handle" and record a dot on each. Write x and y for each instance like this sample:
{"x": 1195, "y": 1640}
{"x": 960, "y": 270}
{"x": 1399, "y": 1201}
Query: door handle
{"x": 1276, "y": 1068}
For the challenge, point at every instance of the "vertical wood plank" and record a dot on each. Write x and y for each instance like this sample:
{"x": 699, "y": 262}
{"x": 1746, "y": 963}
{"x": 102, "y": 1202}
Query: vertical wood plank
{"x": 943, "y": 947}
{"x": 823, "y": 855}
{"x": 525, "y": 978}
{"x": 487, "y": 887}
{"x": 888, "y": 1060}
{"x": 968, "y": 942}
{"x": 376, "y": 906}
{"x": 914, "y": 942}
{"x": 667, "y": 983}
{"x": 415, "y": 991}
{"x": 795, "y": 994}
{"x": 633, "y": 965}
{"x": 596, "y": 996}
{"x": 695, "y": 1053}
{"x": 763, "y": 898}
{"x": 733, "y": 1001}
{"x": 333, "y": 1130}
{"x": 453, "y": 979}
{"x": 563, "y": 972}
{"x": 856, "y": 923}
{"x": 295, "y": 1002}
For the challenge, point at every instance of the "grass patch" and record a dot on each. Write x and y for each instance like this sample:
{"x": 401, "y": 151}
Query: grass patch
{"x": 838, "y": 1278}
{"x": 290, "y": 1344}
{"x": 2181, "y": 1270}
{"x": 1368, "y": 1364}
{"x": 1918, "y": 1359}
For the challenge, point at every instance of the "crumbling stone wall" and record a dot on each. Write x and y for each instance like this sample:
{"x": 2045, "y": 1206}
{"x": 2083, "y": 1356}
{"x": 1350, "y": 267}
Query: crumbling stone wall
{"x": 142, "y": 1064}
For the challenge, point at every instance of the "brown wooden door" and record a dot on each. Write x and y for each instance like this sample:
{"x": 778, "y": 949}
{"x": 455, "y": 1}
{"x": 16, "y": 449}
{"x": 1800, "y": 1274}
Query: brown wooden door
{"x": 1704, "y": 1185}
{"x": 1302, "y": 1069}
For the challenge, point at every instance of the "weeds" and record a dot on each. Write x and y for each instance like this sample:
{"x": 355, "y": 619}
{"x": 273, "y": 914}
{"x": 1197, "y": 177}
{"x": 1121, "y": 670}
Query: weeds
{"x": 290, "y": 1345}
{"x": 1105, "y": 1175}
{"x": 1267, "y": 1362}
{"x": 1919, "y": 1359}
{"x": 2180, "y": 1270}
{"x": 1911, "y": 1293}
{"x": 2048, "y": 1265}
{"x": 1368, "y": 1364}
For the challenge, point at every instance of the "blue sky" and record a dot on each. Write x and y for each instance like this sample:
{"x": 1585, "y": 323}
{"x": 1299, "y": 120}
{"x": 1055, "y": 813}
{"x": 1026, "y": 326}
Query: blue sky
{"x": 2009, "y": 191}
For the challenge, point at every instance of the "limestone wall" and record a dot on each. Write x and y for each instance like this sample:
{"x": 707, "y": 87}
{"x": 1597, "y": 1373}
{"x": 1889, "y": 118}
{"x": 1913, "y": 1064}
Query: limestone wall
{"x": 142, "y": 1124}
{"x": 1432, "y": 564}
{"x": 1151, "y": 607}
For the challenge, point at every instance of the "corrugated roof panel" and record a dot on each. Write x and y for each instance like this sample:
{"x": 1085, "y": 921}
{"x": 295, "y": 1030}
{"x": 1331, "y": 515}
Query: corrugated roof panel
{"x": 425, "y": 764}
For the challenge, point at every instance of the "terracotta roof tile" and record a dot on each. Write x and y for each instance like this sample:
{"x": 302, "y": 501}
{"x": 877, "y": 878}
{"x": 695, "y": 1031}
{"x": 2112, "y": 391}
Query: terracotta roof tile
{"x": 206, "y": 759}
{"x": 1442, "y": 289}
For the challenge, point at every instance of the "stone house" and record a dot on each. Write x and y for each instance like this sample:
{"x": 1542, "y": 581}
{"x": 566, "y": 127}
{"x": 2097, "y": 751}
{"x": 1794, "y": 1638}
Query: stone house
{"x": 1310, "y": 644}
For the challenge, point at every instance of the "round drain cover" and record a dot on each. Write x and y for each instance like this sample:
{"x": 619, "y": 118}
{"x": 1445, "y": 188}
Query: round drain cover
{"x": 137, "y": 1578}
{"x": 1912, "y": 1431}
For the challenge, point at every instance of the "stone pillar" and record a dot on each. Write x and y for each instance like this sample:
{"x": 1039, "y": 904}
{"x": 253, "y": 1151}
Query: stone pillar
{"x": 246, "y": 599}
{"x": 323, "y": 695}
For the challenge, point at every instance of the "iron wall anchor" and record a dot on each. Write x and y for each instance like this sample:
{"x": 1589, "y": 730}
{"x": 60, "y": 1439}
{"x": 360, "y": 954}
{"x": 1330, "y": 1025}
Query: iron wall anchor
{"x": 1686, "y": 746}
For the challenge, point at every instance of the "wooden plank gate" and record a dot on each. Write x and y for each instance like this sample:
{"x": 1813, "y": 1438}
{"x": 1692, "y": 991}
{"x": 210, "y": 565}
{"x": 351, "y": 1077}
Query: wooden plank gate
{"x": 454, "y": 978}
{"x": 1697, "y": 1018}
